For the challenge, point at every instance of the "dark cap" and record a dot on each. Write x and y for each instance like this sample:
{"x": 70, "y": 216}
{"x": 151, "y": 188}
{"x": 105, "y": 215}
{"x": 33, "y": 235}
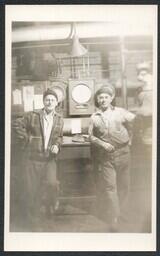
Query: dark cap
{"x": 50, "y": 92}
{"x": 108, "y": 89}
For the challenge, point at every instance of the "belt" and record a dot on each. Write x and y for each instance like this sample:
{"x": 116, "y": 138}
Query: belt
{"x": 119, "y": 146}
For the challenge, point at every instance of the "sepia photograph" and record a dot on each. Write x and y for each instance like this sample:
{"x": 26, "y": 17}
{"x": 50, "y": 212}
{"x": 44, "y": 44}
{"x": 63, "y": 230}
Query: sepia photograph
{"x": 80, "y": 124}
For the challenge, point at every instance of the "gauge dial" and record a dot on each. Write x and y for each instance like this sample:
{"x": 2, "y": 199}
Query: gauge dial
{"x": 81, "y": 93}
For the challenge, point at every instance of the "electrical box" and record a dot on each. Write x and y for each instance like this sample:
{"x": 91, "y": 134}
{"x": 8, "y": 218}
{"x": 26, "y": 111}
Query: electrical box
{"x": 81, "y": 97}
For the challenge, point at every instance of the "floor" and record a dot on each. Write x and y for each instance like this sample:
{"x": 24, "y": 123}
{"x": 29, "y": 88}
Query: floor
{"x": 80, "y": 215}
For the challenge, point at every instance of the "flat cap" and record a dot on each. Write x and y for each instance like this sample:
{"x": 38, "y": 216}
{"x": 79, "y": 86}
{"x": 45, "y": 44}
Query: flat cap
{"x": 108, "y": 89}
{"x": 50, "y": 92}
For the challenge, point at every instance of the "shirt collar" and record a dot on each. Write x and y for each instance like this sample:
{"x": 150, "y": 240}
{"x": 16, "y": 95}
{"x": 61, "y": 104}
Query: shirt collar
{"x": 50, "y": 114}
{"x": 100, "y": 112}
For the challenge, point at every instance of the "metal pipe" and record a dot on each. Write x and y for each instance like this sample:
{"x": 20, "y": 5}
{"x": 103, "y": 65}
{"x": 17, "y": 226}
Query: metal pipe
{"x": 84, "y": 30}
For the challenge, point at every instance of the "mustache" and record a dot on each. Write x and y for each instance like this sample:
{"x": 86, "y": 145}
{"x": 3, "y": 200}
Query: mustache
{"x": 103, "y": 102}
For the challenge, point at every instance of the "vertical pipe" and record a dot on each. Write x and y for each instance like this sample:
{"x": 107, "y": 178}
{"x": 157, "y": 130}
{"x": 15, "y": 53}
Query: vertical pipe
{"x": 88, "y": 65}
{"x": 74, "y": 68}
{"x": 71, "y": 68}
{"x": 83, "y": 59}
{"x": 123, "y": 75}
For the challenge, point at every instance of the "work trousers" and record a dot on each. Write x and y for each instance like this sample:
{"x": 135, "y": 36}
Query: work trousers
{"x": 40, "y": 185}
{"x": 113, "y": 182}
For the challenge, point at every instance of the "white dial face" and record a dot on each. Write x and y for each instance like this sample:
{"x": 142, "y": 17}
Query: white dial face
{"x": 81, "y": 93}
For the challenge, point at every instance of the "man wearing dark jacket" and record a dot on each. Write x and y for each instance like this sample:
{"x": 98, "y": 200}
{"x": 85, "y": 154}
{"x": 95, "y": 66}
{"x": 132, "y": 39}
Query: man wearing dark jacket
{"x": 41, "y": 133}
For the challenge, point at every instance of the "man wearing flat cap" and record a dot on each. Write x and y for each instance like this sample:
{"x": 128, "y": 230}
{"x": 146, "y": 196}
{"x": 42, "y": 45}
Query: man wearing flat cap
{"x": 144, "y": 100}
{"x": 110, "y": 137}
{"x": 41, "y": 133}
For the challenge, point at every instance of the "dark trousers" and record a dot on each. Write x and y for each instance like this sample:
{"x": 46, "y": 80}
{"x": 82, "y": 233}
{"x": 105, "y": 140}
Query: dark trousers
{"x": 113, "y": 182}
{"x": 40, "y": 185}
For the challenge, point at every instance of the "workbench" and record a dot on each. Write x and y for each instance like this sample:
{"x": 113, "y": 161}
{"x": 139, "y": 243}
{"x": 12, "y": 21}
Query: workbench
{"x": 75, "y": 170}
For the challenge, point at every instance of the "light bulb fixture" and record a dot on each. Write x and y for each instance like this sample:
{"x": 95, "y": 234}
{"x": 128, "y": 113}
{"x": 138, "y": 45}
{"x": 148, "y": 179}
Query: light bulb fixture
{"x": 77, "y": 49}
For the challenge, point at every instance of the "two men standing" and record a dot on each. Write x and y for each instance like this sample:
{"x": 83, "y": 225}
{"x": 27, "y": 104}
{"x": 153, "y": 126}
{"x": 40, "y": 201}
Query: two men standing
{"x": 110, "y": 134}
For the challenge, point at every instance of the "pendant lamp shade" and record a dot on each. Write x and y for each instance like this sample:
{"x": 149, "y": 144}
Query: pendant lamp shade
{"x": 77, "y": 49}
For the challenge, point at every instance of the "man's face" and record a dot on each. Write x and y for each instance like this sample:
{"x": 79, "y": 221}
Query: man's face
{"x": 104, "y": 100}
{"x": 142, "y": 76}
{"x": 50, "y": 102}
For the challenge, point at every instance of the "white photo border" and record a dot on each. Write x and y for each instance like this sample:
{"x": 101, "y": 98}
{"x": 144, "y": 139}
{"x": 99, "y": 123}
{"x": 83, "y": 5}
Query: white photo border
{"x": 75, "y": 241}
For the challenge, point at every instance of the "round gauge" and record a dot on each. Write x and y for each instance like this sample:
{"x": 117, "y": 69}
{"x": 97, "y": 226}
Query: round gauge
{"x": 81, "y": 93}
{"x": 59, "y": 91}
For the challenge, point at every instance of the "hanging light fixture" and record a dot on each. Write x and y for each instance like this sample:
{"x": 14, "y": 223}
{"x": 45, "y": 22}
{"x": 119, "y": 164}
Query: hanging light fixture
{"x": 77, "y": 49}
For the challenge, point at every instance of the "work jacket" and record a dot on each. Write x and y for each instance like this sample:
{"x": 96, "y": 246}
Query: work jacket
{"x": 30, "y": 130}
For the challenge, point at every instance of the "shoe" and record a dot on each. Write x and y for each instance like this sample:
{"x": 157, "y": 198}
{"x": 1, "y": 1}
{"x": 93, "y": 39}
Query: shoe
{"x": 58, "y": 209}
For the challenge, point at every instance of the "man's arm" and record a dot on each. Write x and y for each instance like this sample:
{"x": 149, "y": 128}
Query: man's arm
{"x": 59, "y": 139}
{"x": 128, "y": 123}
{"x": 98, "y": 142}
